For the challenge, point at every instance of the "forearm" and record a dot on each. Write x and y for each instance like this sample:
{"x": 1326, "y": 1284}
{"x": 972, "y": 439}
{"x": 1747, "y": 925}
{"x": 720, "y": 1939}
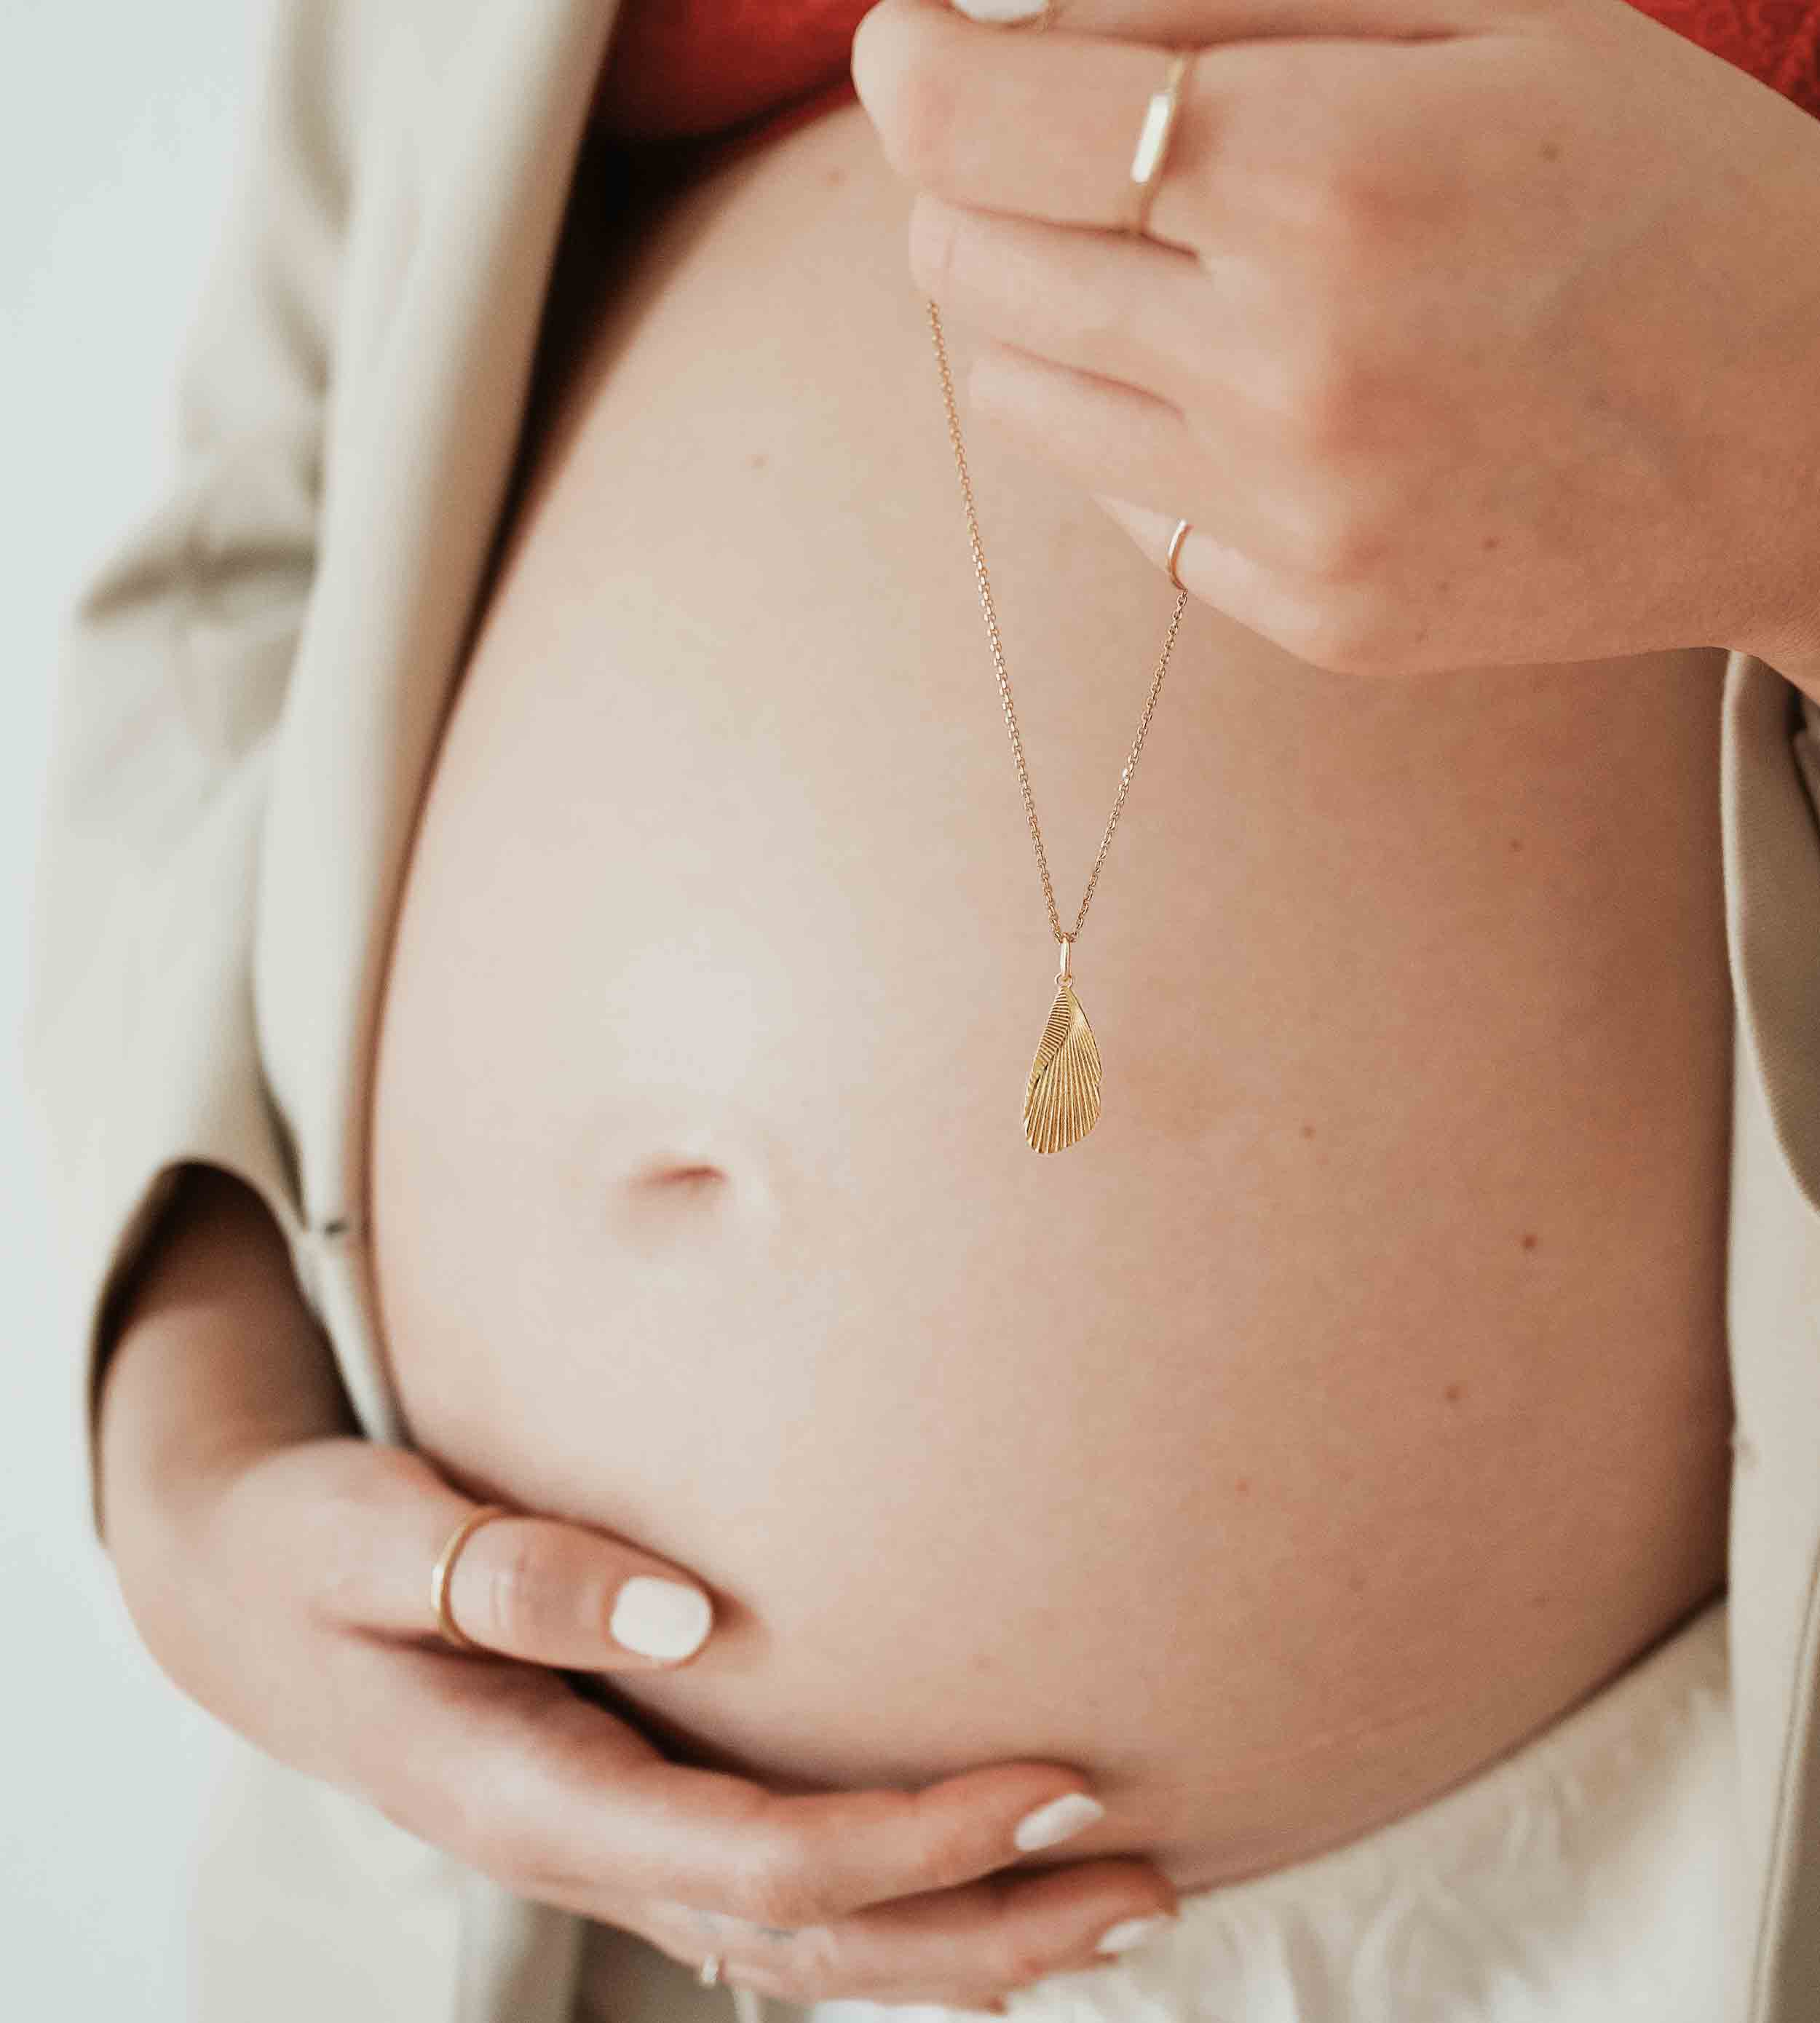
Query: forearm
{"x": 214, "y": 1351}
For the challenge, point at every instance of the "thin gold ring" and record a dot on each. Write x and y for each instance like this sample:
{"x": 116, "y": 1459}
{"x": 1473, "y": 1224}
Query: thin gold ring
{"x": 1154, "y": 136}
{"x": 452, "y": 1630}
{"x": 1175, "y": 542}
{"x": 708, "y": 1973}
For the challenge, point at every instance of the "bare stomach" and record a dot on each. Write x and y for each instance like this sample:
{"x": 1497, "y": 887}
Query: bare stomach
{"x": 1349, "y": 1405}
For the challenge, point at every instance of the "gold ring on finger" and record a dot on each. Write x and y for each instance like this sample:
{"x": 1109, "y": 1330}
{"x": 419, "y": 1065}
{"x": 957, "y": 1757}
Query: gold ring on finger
{"x": 451, "y": 1631}
{"x": 1154, "y": 137}
{"x": 1175, "y": 542}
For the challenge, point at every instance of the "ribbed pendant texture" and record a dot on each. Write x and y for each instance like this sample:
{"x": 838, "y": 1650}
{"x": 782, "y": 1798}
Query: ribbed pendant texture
{"x": 1061, "y": 1100}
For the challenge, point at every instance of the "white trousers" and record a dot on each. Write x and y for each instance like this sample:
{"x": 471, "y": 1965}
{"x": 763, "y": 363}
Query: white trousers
{"x": 1590, "y": 1875}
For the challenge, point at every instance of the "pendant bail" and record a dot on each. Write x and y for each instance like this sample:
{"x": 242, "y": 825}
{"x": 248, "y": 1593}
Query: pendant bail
{"x": 1065, "y": 974}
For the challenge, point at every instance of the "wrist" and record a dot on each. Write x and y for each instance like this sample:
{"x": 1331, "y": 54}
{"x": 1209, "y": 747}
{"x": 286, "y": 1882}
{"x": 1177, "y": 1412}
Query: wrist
{"x": 215, "y": 1356}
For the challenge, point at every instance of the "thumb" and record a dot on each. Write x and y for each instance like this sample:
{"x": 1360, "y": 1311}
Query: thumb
{"x": 521, "y": 1585}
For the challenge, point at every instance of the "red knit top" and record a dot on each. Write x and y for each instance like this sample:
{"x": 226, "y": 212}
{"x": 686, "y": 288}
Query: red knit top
{"x": 696, "y": 67}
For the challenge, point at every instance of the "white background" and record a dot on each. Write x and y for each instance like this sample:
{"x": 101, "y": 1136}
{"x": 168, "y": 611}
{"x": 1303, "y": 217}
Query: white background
{"x": 121, "y": 125}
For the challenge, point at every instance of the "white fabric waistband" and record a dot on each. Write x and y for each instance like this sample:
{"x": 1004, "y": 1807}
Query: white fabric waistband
{"x": 1592, "y": 1874}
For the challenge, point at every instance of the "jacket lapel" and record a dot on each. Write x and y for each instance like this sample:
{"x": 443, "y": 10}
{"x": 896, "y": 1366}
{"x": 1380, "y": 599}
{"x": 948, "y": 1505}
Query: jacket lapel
{"x": 468, "y": 152}
{"x": 449, "y": 265}
{"x": 1772, "y": 886}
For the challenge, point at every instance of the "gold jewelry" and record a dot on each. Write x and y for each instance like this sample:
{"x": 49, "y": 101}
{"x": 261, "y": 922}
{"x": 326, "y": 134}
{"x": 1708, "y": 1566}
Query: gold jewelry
{"x": 452, "y": 1632}
{"x": 1175, "y": 542}
{"x": 1154, "y": 137}
{"x": 1061, "y": 1096}
{"x": 708, "y": 1973}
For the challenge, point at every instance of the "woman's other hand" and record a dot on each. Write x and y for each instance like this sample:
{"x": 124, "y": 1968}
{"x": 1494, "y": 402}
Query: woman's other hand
{"x": 278, "y": 1566}
{"x": 1465, "y": 331}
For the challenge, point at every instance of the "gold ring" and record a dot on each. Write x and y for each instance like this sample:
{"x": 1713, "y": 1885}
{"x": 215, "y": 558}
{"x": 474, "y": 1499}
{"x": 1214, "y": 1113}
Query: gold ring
{"x": 709, "y": 1971}
{"x": 1154, "y": 135}
{"x": 1175, "y": 542}
{"x": 452, "y": 1630}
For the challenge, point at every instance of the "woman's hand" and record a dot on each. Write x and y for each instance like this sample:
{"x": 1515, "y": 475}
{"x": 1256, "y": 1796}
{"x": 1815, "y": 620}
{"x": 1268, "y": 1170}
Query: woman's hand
{"x": 1465, "y": 331}
{"x": 278, "y": 1566}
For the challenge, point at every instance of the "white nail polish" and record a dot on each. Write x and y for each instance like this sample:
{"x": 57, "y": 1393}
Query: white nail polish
{"x": 1129, "y": 1932}
{"x": 1057, "y": 1820}
{"x": 998, "y": 10}
{"x": 659, "y": 1618}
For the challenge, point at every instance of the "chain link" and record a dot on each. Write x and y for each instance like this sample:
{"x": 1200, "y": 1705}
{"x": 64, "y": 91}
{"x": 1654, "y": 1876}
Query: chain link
{"x": 1005, "y": 680}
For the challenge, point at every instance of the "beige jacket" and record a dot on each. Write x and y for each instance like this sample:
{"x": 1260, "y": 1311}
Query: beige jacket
{"x": 249, "y": 707}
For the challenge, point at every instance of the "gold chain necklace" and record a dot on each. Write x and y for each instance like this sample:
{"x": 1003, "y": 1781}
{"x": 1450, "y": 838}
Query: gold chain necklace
{"x": 1061, "y": 1098}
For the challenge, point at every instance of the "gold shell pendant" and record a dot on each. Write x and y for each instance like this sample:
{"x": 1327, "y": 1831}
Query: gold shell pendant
{"x": 1061, "y": 1100}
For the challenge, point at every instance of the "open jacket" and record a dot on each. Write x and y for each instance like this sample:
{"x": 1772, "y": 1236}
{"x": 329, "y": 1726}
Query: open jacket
{"x": 249, "y": 708}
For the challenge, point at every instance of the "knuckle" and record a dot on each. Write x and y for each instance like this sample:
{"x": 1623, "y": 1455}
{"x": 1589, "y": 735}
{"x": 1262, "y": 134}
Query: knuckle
{"x": 1169, "y": 338}
{"x": 1340, "y": 546}
{"x": 334, "y": 1568}
{"x": 777, "y": 1883}
{"x": 1017, "y": 1959}
{"x": 1116, "y": 325}
{"x": 1364, "y": 202}
{"x": 783, "y": 1896}
{"x": 358, "y": 1496}
{"x": 514, "y": 1592}
{"x": 1015, "y": 1955}
{"x": 816, "y": 1967}
{"x": 1327, "y": 400}
{"x": 916, "y": 116}
{"x": 942, "y": 1853}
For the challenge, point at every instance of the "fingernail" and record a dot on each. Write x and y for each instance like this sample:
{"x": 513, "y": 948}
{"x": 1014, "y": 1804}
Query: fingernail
{"x": 660, "y": 1618}
{"x": 1057, "y": 1820}
{"x": 1130, "y": 1932}
{"x": 999, "y": 10}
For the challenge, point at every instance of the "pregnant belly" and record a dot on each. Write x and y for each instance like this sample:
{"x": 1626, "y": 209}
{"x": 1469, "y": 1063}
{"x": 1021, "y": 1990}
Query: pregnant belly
{"x": 1349, "y": 1405}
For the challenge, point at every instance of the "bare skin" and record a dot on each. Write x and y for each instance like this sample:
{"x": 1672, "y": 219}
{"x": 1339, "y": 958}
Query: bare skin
{"x": 274, "y": 1562}
{"x": 1352, "y": 1403}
